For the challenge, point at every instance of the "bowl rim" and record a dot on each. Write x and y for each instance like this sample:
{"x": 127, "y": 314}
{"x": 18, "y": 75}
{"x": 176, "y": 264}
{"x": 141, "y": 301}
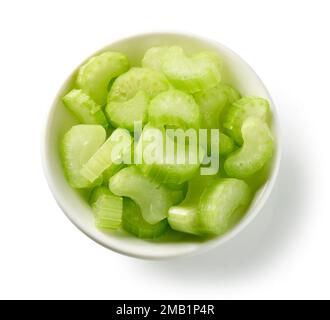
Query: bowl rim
{"x": 204, "y": 246}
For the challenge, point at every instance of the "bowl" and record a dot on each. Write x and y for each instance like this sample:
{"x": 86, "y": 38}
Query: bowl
{"x": 73, "y": 203}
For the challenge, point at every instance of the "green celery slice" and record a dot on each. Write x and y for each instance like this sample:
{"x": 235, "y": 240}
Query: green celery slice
{"x": 119, "y": 141}
{"x": 123, "y": 114}
{"x": 96, "y": 74}
{"x": 130, "y": 94}
{"x": 214, "y": 102}
{"x": 84, "y": 108}
{"x": 162, "y": 169}
{"x": 107, "y": 209}
{"x": 154, "y": 56}
{"x": 184, "y": 216}
{"x": 192, "y": 74}
{"x": 211, "y": 102}
{"x": 174, "y": 108}
{"x": 222, "y": 205}
{"x": 240, "y": 111}
{"x": 256, "y": 151}
{"x": 153, "y": 199}
{"x": 134, "y": 223}
{"x": 212, "y": 57}
{"x": 78, "y": 146}
{"x": 137, "y": 79}
{"x": 184, "y": 219}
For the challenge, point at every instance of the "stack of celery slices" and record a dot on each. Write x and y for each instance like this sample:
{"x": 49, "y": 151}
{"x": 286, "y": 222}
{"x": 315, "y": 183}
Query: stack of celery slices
{"x": 170, "y": 91}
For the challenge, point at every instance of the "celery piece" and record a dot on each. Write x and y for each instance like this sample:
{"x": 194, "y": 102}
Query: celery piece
{"x": 184, "y": 216}
{"x": 153, "y": 199}
{"x": 256, "y": 151}
{"x": 241, "y": 110}
{"x": 222, "y": 205}
{"x": 96, "y": 74}
{"x": 78, "y": 146}
{"x": 174, "y": 108}
{"x": 107, "y": 209}
{"x": 84, "y": 108}
{"x": 129, "y": 96}
{"x": 170, "y": 165}
{"x": 134, "y": 223}
{"x": 111, "y": 153}
{"x": 192, "y": 74}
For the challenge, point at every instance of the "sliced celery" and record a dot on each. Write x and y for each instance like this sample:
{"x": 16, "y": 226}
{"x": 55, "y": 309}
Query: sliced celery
{"x": 134, "y": 223}
{"x": 210, "y": 56}
{"x": 191, "y": 74}
{"x": 174, "y": 108}
{"x": 213, "y": 103}
{"x": 127, "y": 85}
{"x": 170, "y": 173}
{"x": 164, "y": 103}
{"x": 130, "y": 94}
{"x": 123, "y": 114}
{"x": 96, "y": 74}
{"x": 155, "y": 56}
{"x": 111, "y": 153}
{"x": 241, "y": 110}
{"x": 84, "y": 108}
{"x": 184, "y": 217}
{"x": 168, "y": 167}
{"x": 222, "y": 205}
{"x": 153, "y": 199}
{"x": 256, "y": 151}
{"x": 78, "y": 146}
{"x": 107, "y": 209}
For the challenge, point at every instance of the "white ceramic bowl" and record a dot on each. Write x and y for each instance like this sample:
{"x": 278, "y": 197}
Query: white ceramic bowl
{"x": 237, "y": 72}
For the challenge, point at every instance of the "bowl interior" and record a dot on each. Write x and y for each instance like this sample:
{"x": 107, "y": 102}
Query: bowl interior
{"x": 74, "y": 203}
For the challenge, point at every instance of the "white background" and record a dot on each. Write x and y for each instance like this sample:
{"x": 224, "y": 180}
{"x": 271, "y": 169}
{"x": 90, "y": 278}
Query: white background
{"x": 42, "y": 255}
